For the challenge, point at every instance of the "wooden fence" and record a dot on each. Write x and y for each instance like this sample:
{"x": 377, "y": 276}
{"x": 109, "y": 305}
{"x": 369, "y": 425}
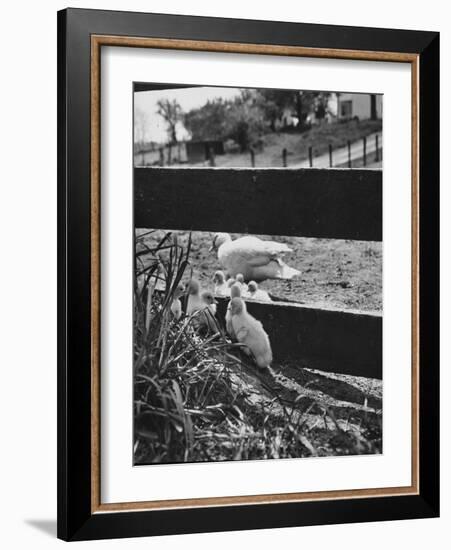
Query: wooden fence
{"x": 358, "y": 153}
{"x": 361, "y": 152}
{"x": 334, "y": 204}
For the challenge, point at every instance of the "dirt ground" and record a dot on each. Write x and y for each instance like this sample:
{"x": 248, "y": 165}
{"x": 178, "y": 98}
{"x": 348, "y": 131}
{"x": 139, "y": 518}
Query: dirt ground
{"x": 334, "y": 273}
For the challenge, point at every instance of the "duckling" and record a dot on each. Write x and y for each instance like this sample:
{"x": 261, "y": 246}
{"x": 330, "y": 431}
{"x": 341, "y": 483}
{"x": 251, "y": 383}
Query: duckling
{"x": 256, "y": 259}
{"x": 240, "y": 279}
{"x": 221, "y": 287}
{"x": 250, "y": 332}
{"x": 209, "y": 301}
{"x": 230, "y": 281}
{"x": 206, "y": 318}
{"x": 194, "y": 302}
{"x": 235, "y": 292}
{"x": 256, "y": 293}
{"x": 176, "y": 305}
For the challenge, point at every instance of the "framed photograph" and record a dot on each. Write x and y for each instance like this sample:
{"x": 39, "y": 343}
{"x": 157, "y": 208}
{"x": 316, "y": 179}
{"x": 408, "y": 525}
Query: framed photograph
{"x": 248, "y": 274}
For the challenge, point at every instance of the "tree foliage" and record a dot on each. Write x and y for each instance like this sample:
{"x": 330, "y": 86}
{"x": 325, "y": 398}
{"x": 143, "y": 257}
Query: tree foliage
{"x": 274, "y": 103}
{"x": 252, "y": 113}
{"x": 245, "y": 123}
{"x": 171, "y": 112}
{"x": 208, "y": 121}
{"x": 239, "y": 119}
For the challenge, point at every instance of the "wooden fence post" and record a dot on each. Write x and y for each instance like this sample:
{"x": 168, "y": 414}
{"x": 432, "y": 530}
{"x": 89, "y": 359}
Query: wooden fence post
{"x": 364, "y": 151}
{"x": 161, "y": 151}
{"x": 377, "y": 148}
{"x": 252, "y": 152}
{"x": 349, "y": 155}
{"x": 310, "y": 156}
{"x": 284, "y": 157}
{"x": 330, "y": 156}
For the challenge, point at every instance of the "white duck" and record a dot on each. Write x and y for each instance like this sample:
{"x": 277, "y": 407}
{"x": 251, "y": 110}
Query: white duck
{"x": 221, "y": 287}
{"x": 235, "y": 292}
{"x": 250, "y": 332}
{"x": 255, "y": 293}
{"x": 256, "y": 259}
{"x": 176, "y": 305}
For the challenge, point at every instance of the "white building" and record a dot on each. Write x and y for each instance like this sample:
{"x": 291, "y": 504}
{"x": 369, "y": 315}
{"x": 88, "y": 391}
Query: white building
{"x": 358, "y": 105}
{"x": 347, "y": 106}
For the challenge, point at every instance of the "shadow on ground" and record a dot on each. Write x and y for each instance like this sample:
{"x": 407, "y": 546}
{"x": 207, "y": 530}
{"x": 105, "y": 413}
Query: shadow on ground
{"x": 46, "y": 526}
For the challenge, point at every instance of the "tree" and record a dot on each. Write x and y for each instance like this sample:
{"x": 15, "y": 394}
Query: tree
{"x": 172, "y": 113}
{"x": 304, "y": 101}
{"x": 209, "y": 121}
{"x": 321, "y": 105}
{"x": 240, "y": 119}
{"x": 273, "y": 104}
{"x": 244, "y": 122}
{"x": 140, "y": 126}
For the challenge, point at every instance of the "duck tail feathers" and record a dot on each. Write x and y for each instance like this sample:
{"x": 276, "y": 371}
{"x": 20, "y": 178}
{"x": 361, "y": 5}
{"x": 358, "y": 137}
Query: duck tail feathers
{"x": 287, "y": 272}
{"x": 283, "y": 248}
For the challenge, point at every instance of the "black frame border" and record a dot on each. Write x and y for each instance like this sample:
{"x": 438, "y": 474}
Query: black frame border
{"x": 75, "y": 520}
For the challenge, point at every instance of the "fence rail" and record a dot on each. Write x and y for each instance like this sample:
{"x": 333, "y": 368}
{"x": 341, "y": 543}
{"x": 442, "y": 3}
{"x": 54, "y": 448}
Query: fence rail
{"x": 333, "y": 204}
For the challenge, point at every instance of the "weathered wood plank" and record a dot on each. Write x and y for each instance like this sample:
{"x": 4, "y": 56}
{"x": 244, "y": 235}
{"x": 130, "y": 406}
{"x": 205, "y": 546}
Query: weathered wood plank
{"x": 338, "y": 341}
{"x": 327, "y": 203}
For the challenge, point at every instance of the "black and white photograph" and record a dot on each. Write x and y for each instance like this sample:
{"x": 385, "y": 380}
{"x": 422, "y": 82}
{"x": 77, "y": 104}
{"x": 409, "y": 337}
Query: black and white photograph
{"x": 254, "y": 338}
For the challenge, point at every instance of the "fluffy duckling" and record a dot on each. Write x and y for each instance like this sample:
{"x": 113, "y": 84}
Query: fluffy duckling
{"x": 198, "y": 302}
{"x": 221, "y": 287}
{"x": 195, "y": 302}
{"x": 235, "y": 292}
{"x": 230, "y": 281}
{"x": 250, "y": 332}
{"x": 209, "y": 301}
{"x": 206, "y": 318}
{"x": 240, "y": 279}
{"x": 255, "y": 293}
{"x": 176, "y": 305}
{"x": 256, "y": 259}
